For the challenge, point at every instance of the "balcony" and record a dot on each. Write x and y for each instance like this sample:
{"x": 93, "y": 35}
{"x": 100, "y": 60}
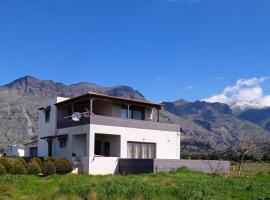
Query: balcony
{"x": 116, "y": 121}
{"x": 66, "y": 123}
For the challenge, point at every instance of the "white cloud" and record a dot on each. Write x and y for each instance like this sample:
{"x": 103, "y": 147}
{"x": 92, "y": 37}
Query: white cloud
{"x": 190, "y": 87}
{"x": 244, "y": 94}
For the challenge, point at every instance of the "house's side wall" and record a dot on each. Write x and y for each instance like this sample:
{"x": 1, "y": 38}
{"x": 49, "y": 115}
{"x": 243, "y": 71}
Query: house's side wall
{"x": 47, "y": 128}
{"x": 167, "y": 142}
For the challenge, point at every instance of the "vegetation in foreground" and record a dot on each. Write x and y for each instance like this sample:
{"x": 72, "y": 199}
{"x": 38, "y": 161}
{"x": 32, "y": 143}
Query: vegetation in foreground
{"x": 183, "y": 184}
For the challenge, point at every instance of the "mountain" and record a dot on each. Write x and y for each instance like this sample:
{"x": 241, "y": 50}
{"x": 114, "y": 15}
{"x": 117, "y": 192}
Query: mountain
{"x": 20, "y": 99}
{"x": 204, "y": 126}
{"x": 207, "y": 126}
{"x": 260, "y": 117}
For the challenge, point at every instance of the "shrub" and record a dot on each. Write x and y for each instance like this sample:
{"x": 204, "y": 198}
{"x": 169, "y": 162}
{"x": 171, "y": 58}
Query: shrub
{"x": 38, "y": 160}
{"x": 33, "y": 167}
{"x": 48, "y": 168}
{"x": 17, "y": 167}
{"x": 6, "y": 162}
{"x": 2, "y": 169}
{"x": 51, "y": 159}
{"x": 21, "y": 160}
{"x": 63, "y": 166}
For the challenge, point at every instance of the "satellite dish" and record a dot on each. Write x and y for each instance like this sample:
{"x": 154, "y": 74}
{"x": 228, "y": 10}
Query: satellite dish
{"x": 76, "y": 116}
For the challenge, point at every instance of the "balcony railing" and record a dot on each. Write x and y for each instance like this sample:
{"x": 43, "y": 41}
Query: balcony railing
{"x": 120, "y": 122}
{"x": 66, "y": 123}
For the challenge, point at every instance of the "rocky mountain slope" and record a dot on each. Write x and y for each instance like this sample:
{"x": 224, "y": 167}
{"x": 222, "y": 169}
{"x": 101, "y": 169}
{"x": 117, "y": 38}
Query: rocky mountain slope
{"x": 20, "y": 99}
{"x": 260, "y": 117}
{"x": 204, "y": 125}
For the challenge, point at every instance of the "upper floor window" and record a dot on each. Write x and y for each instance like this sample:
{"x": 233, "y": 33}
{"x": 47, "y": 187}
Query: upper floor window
{"x": 47, "y": 115}
{"x": 137, "y": 112}
{"x": 124, "y": 111}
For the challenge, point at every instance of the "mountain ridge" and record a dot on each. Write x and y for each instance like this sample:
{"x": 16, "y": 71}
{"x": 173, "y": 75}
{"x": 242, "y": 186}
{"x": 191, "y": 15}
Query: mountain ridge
{"x": 202, "y": 123}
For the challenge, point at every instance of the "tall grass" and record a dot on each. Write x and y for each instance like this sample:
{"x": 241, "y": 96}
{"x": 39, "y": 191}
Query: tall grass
{"x": 177, "y": 185}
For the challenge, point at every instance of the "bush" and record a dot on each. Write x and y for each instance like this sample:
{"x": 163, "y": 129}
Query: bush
{"x": 6, "y": 162}
{"x": 63, "y": 166}
{"x": 48, "y": 168}
{"x": 18, "y": 167}
{"x": 21, "y": 160}
{"x": 2, "y": 169}
{"x": 38, "y": 160}
{"x": 33, "y": 167}
{"x": 51, "y": 159}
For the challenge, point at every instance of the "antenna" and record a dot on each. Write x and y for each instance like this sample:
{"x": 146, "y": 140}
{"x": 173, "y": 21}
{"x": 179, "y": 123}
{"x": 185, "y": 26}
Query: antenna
{"x": 76, "y": 116}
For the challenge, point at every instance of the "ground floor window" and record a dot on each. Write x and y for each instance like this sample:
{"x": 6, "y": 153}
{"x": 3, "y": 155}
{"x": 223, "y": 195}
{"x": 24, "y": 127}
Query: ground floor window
{"x": 139, "y": 150}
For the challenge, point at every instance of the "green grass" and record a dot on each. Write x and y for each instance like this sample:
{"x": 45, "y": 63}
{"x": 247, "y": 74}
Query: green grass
{"x": 251, "y": 168}
{"x": 180, "y": 185}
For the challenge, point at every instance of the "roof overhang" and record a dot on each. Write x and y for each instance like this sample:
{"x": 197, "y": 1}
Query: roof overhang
{"x": 45, "y": 108}
{"x": 32, "y": 142}
{"x": 55, "y": 136}
{"x": 108, "y": 97}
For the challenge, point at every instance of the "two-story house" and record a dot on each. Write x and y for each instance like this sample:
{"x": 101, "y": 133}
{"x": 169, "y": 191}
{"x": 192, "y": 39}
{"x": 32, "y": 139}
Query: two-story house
{"x": 96, "y": 130}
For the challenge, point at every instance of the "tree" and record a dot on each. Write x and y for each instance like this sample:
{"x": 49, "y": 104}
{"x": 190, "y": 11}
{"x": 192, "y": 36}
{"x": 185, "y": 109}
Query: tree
{"x": 244, "y": 145}
{"x": 248, "y": 144}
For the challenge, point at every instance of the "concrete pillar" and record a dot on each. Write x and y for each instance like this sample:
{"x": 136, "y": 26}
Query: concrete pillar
{"x": 123, "y": 142}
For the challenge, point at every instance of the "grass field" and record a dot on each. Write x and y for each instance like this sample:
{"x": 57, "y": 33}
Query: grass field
{"x": 180, "y": 185}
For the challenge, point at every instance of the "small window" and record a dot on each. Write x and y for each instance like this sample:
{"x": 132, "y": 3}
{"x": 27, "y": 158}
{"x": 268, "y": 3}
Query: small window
{"x": 62, "y": 142}
{"x": 47, "y": 115}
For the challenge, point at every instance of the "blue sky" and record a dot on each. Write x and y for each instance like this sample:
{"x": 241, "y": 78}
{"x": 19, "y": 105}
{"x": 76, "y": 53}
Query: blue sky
{"x": 167, "y": 49}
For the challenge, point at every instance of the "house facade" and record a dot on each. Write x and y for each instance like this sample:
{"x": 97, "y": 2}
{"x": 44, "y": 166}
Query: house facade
{"x": 95, "y": 131}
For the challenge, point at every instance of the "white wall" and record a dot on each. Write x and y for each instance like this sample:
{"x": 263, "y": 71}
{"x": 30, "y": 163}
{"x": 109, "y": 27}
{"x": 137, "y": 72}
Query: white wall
{"x": 49, "y": 128}
{"x": 167, "y": 145}
{"x": 79, "y": 143}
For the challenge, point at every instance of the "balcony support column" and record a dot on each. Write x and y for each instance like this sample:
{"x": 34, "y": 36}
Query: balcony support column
{"x": 157, "y": 115}
{"x": 91, "y": 106}
{"x": 128, "y": 111}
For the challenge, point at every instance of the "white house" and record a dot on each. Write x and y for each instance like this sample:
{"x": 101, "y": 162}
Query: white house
{"x": 14, "y": 150}
{"x": 96, "y": 130}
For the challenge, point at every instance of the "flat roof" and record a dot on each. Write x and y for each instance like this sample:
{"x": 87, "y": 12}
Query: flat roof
{"x": 121, "y": 99}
